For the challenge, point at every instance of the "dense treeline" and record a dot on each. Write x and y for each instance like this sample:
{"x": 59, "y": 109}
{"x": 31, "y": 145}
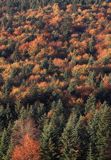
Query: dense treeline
{"x": 20, "y": 5}
{"x": 53, "y": 132}
{"x": 55, "y": 80}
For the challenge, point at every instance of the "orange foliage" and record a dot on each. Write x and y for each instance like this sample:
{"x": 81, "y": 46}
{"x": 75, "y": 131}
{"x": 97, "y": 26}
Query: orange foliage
{"x": 58, "y": 62}
{"x": 24, "y": 47}
{"x": 43, "y": 85}
{"x": 27, "y": 150}
{"x": 100, "y": 15}
{"x": 84, "y": 44}
{"x": 39, "y": 40}
{"x": 50, "y": 114}
{"x": 56, "y": 19}
{"x": 88, "y": 116}
{"x": 92, "y": 31}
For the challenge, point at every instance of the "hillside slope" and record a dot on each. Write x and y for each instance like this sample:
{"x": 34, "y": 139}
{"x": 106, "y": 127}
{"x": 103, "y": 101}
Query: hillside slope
{"x": 55, "y": 83}
{"x": 56, "y": 49}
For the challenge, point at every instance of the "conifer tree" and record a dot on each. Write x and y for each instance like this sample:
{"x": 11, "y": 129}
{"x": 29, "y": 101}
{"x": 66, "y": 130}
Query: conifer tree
{"x": 9, "y": 151}
{"x": 83, "y": 138}
{"x": 74, "y": 3}
{"x": 90, "y": 104}
{"x": 91, "y": 60}
{"x": 47, "y": 144}
{"x": 100, "y": 132}
{"x": 89, "y": 153}
{"x": 5, "y": 142}
{"x": 104, "y": 132}
{"x": 69, "y": 139}
{"x": 52, "y": 129}
{"x": 75, "y": 139}
{"x": 91, "y": 79}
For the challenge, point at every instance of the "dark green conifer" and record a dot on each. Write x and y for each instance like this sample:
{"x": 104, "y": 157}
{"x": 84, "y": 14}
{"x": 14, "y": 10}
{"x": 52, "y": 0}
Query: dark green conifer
{"x": 52, "y": 129}
{"x": 69, "y": 139}
{"x": 90, "y": 104}
{"x": 100, "y": 132}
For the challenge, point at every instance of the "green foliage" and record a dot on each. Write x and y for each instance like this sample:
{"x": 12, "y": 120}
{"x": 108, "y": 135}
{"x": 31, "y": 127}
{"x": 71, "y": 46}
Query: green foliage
{"x": 71, "y": 87}
{"x": 65, "y": 27}
{"x": 19, "y": 5}
{"x": 91, "y": 45}
{"x": 52, "y": 74}
{"x": 7, "y": 115}
{"x": 90, "y": 104}
{"x": 70, "y": 140}
{"x": 51, "y": 132}
{"x": 91, "y": 79}
{"x": 100, "y": 129}
{"x": 91, "y": 60}
{"x": 5, "y": 143}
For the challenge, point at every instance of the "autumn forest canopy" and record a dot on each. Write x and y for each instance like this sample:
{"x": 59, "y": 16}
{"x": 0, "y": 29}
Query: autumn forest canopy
{"x": 55, "y": 80}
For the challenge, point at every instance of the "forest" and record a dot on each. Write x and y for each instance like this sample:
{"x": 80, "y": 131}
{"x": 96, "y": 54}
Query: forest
{"x": 55, "y": 80}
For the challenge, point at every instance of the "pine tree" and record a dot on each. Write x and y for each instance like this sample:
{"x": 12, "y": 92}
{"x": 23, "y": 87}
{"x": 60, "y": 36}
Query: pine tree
{"x": 83, "y": 138}
{"x": 5, "y": 142}
{"x": 47, "y": 144}
{"x": 100, "y": 132}
{"x": 91, "y": 60}
{"x": 93, "y": 125}
{"x": 89, "y": 153}
{"x": 9, "y": 152}
{"x": 91, "y": 79}
{"x": 90, "y": 104}
{"x": 104, "y": 132}
{"x": 69, "y": 139}
{"x": 51, "y": 132}
{"x": 91, "y": 45}
{"x": 74, "y": 139}
{"x": 74, "y": 3}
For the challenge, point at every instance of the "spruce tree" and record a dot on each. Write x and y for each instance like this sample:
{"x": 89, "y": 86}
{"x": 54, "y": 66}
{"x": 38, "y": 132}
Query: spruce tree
{"x": 100, "y": 132}
{"x": 47, "y": 144}
{"x": 93, "y": 125}
{"x": 91, "y": 79}
{"x": 90, "y": 104}
{"x": 89, "y": 153}
{"x": 69, "y": 139}
{"x": 83, "y": 138}
{"x": 104, "y": 132}
{"x": 74, "y": 139}
{"x": 5, "y": 142}
{"x": 51, "y": 132}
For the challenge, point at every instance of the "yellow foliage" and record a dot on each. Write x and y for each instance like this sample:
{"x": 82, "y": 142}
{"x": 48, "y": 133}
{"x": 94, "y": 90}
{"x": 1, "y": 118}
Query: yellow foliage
{"x": 36, "y": 69}
{"x": 43, "y": 85}
{"x": 15, "y": 90}
{"x": 56, "y": 9}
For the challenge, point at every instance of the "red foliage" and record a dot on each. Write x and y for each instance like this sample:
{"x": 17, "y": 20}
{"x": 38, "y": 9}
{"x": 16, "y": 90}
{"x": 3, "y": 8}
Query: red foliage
{"x": 27, "y": 150}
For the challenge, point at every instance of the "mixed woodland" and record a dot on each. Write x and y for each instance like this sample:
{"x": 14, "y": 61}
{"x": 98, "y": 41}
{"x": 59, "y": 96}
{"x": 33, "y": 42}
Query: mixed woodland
{"x": 55, "y": 80}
